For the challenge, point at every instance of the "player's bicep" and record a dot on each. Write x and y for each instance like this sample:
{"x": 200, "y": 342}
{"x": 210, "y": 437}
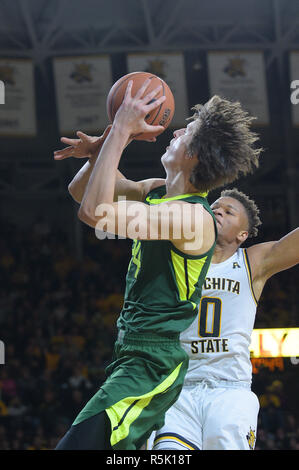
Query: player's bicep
{"x": 272, "y": 257}
{"x": 176, "y": 221}
{"x": 283, "y": 255}
{"x": 129, "y": 219}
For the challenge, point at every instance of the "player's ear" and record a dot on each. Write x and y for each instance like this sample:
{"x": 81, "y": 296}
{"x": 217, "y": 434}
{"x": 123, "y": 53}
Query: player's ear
{"x": 242, "y": 236}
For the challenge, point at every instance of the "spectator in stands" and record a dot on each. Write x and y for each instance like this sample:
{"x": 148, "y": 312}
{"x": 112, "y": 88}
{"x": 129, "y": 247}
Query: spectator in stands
{"x": 54, "y": 319}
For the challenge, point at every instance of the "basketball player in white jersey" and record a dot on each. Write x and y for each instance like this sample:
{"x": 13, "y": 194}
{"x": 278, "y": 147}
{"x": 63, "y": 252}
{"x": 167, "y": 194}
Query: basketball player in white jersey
{"x": 216, "y": 409}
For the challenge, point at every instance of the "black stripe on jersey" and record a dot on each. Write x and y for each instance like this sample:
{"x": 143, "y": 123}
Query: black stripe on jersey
{"x": 250, "y": 275}
{"x": 186, "y": 277}
{"x": 176, "y": 437}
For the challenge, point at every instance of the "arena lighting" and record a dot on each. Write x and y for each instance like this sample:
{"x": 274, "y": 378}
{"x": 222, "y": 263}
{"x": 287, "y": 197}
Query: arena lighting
{"x": 274, "y": 342}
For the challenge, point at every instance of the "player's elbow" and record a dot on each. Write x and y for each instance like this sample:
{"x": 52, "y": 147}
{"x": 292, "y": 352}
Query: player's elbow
{"x": 70, "y": 188}
{"x": 86, "y": 216}
{"x": 73, "y": 193}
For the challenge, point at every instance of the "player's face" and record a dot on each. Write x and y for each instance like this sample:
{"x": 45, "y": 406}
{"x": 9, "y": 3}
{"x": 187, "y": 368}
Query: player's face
{"x": 176, "y": 152}
{"x": 231, "y": 219}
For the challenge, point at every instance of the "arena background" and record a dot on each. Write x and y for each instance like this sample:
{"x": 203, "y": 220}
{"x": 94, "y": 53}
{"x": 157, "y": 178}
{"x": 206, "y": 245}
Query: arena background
{"x": 61, "y": 288}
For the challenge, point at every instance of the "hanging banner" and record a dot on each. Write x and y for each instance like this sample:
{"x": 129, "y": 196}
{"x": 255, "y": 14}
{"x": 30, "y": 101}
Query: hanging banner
{"x": 294, "y": 92}
{"x": 82, "y": 85}
{"x": 17, "y": 110}
{"x": 240, "y": 76}
{"x": 170, "y": 67}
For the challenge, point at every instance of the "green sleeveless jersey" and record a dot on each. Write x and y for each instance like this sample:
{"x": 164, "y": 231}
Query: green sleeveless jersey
{"x": 163, "y": 284}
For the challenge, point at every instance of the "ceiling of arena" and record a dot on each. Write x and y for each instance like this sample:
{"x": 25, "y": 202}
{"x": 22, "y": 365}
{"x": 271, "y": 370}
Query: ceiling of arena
{"x": 43, "y": 28}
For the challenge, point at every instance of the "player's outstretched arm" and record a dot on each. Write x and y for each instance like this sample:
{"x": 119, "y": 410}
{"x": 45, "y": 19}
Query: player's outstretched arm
{"x": 89, "y": 147}
{"x": 85, "y": 146}
{"x": 269, "y": 258}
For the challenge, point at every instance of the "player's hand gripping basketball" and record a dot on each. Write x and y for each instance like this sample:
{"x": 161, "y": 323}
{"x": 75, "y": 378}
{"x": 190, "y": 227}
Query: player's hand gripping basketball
{"x": 130, "y": 117}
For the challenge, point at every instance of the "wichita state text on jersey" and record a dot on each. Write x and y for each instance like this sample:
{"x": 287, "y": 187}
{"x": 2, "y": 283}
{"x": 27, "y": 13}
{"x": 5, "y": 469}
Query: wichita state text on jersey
{"x": 218, "y": 283}
{"x": 218, "y": 340}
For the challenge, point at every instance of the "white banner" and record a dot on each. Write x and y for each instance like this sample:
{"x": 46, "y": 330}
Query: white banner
{"x": 294, "y": 76}
{"x": 240, "y": 76}
{"x": 170, "y": 67}
{"x": 82, "y": 86}
{"x": 17, "y": 113}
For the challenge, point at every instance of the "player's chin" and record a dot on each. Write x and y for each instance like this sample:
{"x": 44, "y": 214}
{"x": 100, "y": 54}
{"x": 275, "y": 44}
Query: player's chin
{"x": 166, "y": 155}
{"x": 219, "y": 227}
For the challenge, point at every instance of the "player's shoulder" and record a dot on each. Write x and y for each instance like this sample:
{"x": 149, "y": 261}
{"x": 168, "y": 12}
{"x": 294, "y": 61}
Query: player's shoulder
{"x": 151, "y": 184}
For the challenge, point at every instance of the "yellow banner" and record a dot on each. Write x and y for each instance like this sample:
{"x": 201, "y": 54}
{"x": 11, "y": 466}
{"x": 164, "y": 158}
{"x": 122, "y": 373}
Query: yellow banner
{"x": 274, "y": 342}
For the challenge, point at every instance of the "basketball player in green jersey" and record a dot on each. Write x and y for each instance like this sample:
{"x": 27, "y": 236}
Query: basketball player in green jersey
{"x": 166, "y": 272}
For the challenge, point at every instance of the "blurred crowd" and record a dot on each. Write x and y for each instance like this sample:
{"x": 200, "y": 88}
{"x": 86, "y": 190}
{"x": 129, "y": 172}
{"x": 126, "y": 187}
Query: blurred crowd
{"x": 57, "y": 321}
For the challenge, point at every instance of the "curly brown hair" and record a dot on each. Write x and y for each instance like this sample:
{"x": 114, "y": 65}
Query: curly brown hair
{"x": 223, "y": 144}
{"x": 250, "y": 207}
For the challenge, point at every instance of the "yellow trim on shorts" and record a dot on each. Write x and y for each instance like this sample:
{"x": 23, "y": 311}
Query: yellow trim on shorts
{"x": 174, "y": 438}
{"x": 123, "y": 413}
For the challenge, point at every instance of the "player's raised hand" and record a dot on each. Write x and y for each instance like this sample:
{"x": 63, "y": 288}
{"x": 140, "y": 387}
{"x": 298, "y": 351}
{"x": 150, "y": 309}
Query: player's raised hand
{"x": 133, "y": 110}
{"x": 84, "y": 147}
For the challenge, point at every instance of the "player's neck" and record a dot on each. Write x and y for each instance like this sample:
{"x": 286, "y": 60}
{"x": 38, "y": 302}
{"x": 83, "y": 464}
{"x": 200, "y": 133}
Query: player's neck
{"x": 177, "y": 184}
{"x": 223, "y": 251}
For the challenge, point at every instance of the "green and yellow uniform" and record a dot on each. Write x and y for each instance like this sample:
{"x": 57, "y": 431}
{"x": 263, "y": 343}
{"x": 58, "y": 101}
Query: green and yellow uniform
{"x": 163, "y": 290}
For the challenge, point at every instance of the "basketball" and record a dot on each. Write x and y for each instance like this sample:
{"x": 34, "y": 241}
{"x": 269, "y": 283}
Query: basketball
{"x": 161, "y": 116}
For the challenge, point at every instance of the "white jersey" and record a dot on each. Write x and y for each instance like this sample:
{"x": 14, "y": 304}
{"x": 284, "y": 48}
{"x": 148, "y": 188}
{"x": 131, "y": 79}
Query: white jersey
{"x": 218, "y": 340}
